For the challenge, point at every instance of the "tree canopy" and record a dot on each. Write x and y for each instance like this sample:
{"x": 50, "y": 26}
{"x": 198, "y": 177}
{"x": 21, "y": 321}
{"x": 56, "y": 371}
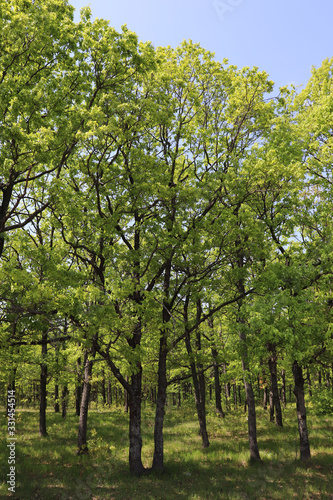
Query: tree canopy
{"x": 161, "y": 212}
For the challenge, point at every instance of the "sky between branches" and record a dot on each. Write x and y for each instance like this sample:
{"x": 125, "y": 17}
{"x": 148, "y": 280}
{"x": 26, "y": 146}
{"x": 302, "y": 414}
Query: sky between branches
{"x": 283, "y": 37}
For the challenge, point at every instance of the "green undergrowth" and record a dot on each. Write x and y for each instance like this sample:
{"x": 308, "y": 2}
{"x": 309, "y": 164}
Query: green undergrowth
{"x": 48, "y": 468}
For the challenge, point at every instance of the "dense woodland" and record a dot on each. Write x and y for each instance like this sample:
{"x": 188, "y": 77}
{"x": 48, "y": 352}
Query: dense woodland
{"x": 165, "y": 229}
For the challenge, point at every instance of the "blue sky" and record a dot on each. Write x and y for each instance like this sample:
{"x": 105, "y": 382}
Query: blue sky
{"x": 284, "y": 38}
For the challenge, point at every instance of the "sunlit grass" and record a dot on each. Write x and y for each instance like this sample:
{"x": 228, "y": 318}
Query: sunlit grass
{"x": 49, "y": 468}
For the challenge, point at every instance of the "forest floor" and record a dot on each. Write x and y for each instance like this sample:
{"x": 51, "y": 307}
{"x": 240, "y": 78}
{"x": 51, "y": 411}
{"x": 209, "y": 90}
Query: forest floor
{"x": 48, "y": 468}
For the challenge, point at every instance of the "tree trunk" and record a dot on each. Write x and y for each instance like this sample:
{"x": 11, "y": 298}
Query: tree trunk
{"x": 251, "y": 407}
{"x": 83, "y": 422}
{"x": 109, "y": 395}
{"x": 179, "y": 399}
{"x": 239, "y": 395}
{"x": 271, "y": 405}
{"x": 79, "y": 387}
{"x": 64, "y": 398}
{"x": 265, "y": 397}
{"x": 234, "y": 392}
{"x": 308, "y": 379}
{"x": 272, "y": 363}
{"x": 301, "y": 412}
{"x": 56, "y": 398}
{"x": 199, "y": 395}
{"x": 43, "y": 384}
{"x": 103, "y": 388}
{"x": 158, "y": 460}
{"x": 135, "y": 439}
{"x": 218, "y": 402}
{"x": 197, "y": 376}
{"x": 284, "y": 396}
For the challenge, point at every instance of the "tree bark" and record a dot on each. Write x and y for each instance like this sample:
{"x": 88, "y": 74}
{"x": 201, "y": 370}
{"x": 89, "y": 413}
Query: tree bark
{"x": 43, "y": 385}
{"x": 301, "y": 412}
{"x": 234, "y": 392}
{"x": 271, "y": 405}
{"x": 197, "y": 377}
{"x": 64, "y": 402}
{"x": 284, "y": 395}
{"x": 265, "y": 397}
{"x": 83, "y": 421}
{"x": 272, "y": 363}
{"x": 103, "y": 387}
{"x": 135, "y": 439}
{"x": 251, "y": 407}
{"x": 56, "y": 398}
{"x": 218, "y": 402}
{"x": 200, "y": 405}
{"x": 78, "y": 387}
{"x": 308, "y": 379}
{"x": 109, "y": 395}
{"x": 158, "y": 460}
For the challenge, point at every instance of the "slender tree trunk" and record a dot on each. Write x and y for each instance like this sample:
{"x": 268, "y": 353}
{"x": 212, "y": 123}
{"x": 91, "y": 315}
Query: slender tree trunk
{"x": 239, "y": 395}
{"x": 301, "y": 412}
{"x": 234, "y": 392}
{"x": 103, "y": 388}
{"x": 56, "y": 398}
{"x": 64, "y": 401}
{"x": 197, "y": 377}
{"x": 43, "y": 384}
{"x": 328, "y": 381}
{"x": 179, "y": 398}
{"x": 109, "y": 395}
{"x": 284, "y": 396}
{"x": 265, "y": 397}
{"x": 202, "y": 390}
{"x": 258, "y": 388}
{"x": 34, "y": 394}
{"x": 200, "y": 405}
{"x": 272, "y": 363}
{"x": 218, "y": 402}
{"x": 79, "y": 387}
{"x": 308, "y": 379}
{"x": 158, "y": 460}
{"x": 271, "y": 405}
{"x": 83, "y": 421}
{"x": 251, "y": 408}
{"x": 252, "y": 422}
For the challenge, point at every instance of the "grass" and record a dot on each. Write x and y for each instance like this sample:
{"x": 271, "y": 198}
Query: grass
{"x": 48, "y": 468}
